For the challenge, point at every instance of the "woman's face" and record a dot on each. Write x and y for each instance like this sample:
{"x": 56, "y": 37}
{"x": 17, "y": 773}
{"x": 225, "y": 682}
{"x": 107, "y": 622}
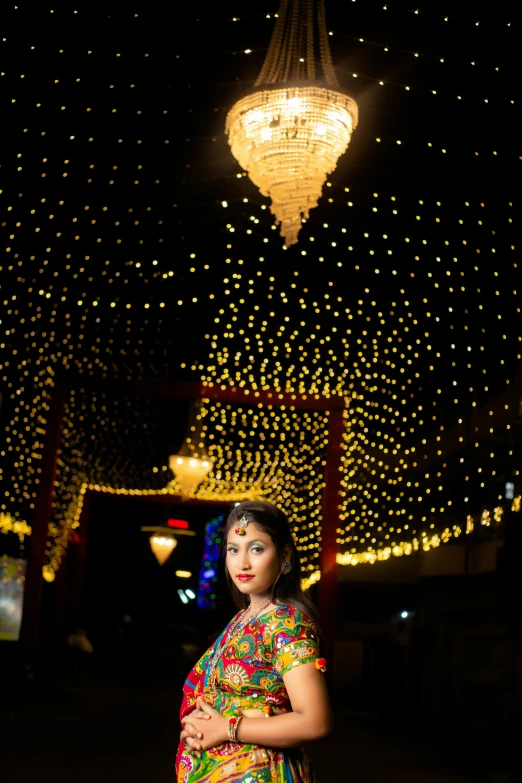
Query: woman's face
{"x": 252, "y": 560}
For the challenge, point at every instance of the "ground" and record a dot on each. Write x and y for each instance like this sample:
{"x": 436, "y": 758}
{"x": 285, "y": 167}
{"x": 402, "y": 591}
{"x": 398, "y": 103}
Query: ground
{"x": 108, "y": 725}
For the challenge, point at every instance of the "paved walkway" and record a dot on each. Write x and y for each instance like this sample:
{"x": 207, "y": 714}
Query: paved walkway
{"x": 96, "y": 727}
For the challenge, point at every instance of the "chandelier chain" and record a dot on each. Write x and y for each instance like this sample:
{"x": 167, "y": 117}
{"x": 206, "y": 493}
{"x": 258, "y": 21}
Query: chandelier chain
{"x": 299, "y": 42}
{"x": 324, "y": 47}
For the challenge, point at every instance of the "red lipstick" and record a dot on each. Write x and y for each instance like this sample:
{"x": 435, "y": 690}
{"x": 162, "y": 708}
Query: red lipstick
{"x": 245, "y": 577}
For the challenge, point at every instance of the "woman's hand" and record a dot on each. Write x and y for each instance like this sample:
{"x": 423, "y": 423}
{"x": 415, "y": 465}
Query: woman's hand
{"x": 190, "y": 733}
{"x": 209, "y": 726}
{"x": 186, "y": 736}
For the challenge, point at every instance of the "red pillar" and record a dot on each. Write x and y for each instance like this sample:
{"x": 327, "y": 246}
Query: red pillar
{"x": 77, "y": 552}
{"x": 327, "y": 602}
{"x": 57, "y": 618}
{"x": 40, "y": 523}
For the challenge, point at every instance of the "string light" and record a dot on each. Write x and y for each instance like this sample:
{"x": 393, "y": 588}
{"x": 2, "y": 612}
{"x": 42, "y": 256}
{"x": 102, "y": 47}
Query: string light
{"x": 403, "y": 302}
{"x": 378, "y": 5}
{"x": 407, "y": 327}
{"x": 432, "y": 57}
{"x": 440, "y": 93}
{"x": 9, "y": 524}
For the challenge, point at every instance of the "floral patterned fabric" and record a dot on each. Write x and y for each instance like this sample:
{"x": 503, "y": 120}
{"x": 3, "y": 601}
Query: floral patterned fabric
{"x": 250, "y": 676}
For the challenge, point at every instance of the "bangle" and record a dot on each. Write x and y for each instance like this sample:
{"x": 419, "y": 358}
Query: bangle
{"x": 233, "y": 723}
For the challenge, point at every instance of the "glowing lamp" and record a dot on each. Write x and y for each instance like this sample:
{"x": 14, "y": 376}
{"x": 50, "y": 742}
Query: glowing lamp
{"x": 189, "y": 471}
{"x": 289, "y": 140}
{"x": 162, "y": 546}
{"x": 289, "y": 133}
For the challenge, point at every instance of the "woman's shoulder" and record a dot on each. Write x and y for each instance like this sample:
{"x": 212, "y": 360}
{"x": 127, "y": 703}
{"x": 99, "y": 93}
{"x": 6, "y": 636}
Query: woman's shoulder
{"x": 287, "y": 616}
{"x": 289, "y": 631}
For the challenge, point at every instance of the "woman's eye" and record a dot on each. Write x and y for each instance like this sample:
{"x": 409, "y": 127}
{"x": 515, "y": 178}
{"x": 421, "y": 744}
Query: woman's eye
{"x": 257, "y": 549}
{"x": 232, "y": 550}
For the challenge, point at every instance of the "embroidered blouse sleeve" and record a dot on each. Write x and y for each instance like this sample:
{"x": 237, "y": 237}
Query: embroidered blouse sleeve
{"x": 293, "y": 642}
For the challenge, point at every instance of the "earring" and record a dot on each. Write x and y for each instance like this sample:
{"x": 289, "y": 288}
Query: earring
{"x": 286, "y": 567}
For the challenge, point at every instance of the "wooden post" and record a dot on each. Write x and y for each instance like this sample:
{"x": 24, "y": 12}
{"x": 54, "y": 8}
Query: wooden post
{"x": 328, "y": 587}
{"x": 40, "y": 523}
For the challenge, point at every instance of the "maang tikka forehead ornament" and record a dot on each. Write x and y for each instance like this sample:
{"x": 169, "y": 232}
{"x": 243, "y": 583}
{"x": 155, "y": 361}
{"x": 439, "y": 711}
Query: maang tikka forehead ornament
{"x": 240, "y": 529}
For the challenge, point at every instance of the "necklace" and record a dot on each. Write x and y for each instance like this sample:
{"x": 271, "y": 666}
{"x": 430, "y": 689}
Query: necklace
{"x": 234, "y": 631}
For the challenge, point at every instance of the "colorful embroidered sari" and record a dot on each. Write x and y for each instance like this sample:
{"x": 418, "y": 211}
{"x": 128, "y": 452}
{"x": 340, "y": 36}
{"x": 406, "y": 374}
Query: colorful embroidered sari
{"x": 249, "y": 676}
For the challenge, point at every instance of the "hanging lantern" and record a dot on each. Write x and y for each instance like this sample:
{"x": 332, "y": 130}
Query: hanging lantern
{"x": 162, "y": 546}
{"x": 163, "y": 540}
{"x": 189, "y": 471}
{"x": 290, "y": 132}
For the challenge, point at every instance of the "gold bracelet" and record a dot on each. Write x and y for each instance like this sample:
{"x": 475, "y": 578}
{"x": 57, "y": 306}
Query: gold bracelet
{"x": 233, "y": 723}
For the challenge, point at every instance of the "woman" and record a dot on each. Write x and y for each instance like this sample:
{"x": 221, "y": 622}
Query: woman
{"x": 265, "y": 664}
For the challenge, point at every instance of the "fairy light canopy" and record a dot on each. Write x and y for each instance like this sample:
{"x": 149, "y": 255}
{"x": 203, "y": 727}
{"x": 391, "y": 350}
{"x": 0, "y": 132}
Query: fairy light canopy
{"x": 289, "y": 133}
{"x": 127, "y": 223}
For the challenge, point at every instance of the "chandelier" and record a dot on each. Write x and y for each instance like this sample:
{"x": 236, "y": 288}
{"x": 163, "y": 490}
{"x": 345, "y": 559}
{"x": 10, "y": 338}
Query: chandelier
{"x": 192, "y": 465}
{"x": 189, "y": 471}
{"x": 289, "y": 133}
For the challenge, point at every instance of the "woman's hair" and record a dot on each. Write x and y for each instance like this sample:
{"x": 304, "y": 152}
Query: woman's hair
{"x": 287, "y": 587}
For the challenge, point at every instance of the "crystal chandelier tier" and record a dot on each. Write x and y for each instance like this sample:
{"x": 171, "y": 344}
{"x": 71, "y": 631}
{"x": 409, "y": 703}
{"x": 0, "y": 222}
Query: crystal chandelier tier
{"x": 192, "y": 464}
{"x": 189, "y": 471}
{"x": 289, "y": 133}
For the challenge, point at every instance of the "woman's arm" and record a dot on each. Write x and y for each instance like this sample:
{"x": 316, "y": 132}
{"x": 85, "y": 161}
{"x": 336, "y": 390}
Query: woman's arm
{"x": 310, "y": 719}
